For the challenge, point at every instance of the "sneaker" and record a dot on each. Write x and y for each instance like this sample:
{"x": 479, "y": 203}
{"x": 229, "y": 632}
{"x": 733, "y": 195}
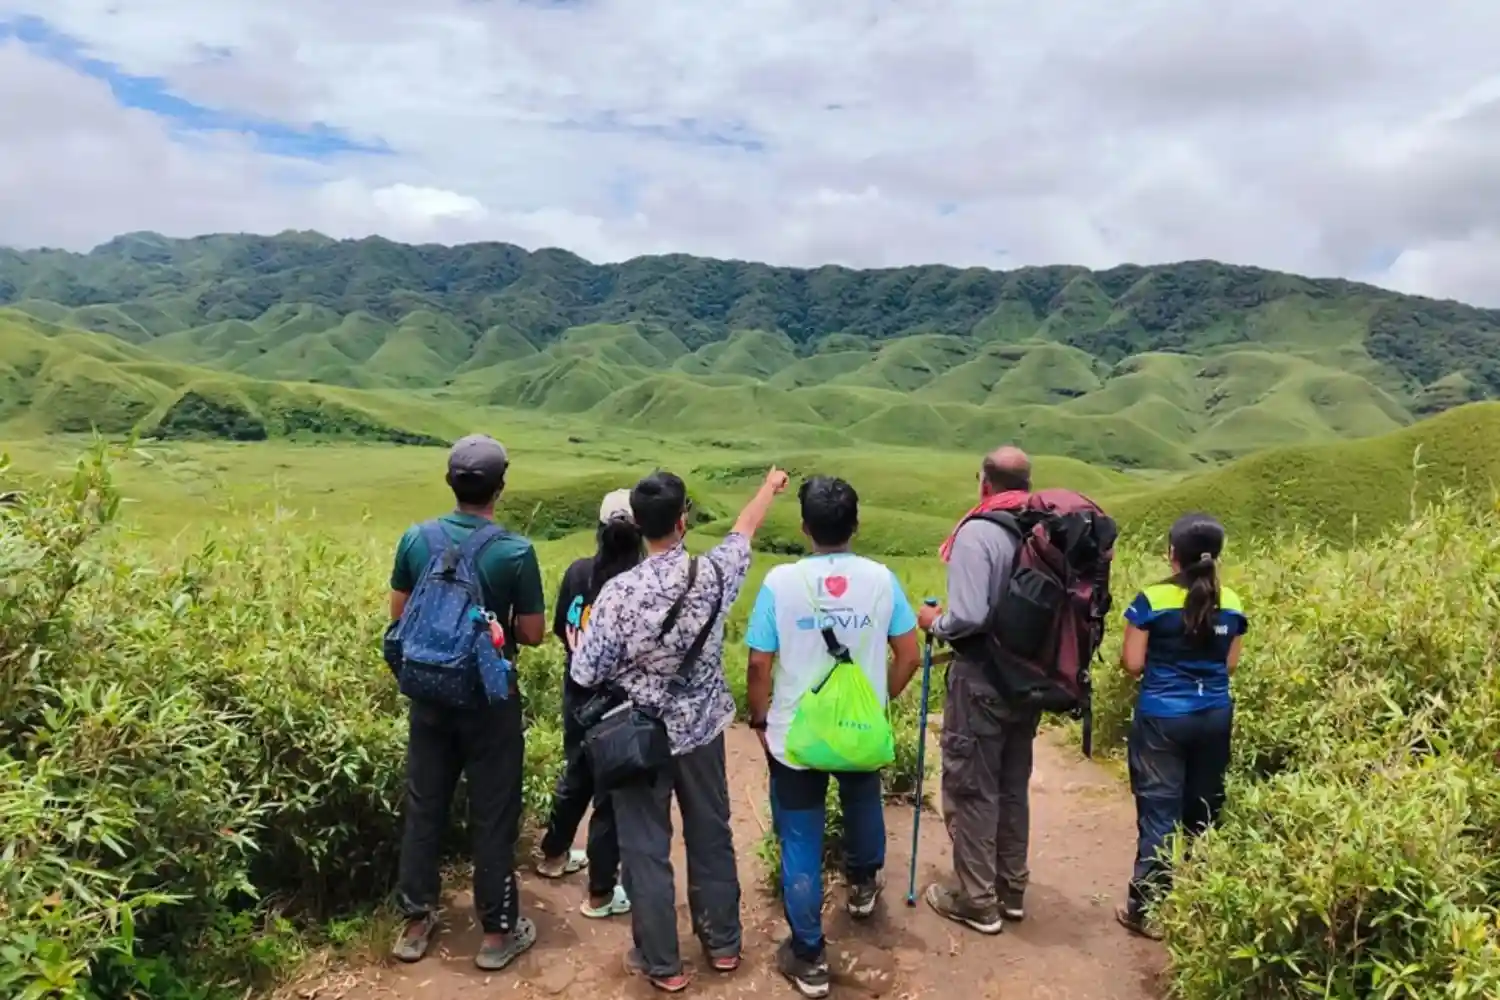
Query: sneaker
{"x": 1138, "y": 923}
{"x": 862, "y": 898}
{"x": 811, "y": 979}
{"x": 1012, "y": 907}
{"x": 563, "y": 865}
{"x": 948, "y": 904}
{"x": 495, "y": 953}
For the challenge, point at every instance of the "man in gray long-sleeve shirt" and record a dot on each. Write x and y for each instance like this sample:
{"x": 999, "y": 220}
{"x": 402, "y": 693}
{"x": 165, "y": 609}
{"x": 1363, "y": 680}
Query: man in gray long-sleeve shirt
{"x": 987, "y": 743}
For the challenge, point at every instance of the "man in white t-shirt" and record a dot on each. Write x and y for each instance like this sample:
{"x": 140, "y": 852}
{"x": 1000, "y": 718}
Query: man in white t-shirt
{"x": 862, "y": 601}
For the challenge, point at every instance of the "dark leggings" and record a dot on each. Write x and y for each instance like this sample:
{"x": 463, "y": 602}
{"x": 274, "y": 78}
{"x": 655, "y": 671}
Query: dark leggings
{"x": 1177, "y": 767}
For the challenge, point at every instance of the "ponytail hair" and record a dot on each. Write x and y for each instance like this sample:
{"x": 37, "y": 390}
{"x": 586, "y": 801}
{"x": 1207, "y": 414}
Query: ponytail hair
{"x": 620, "y": 547}
{"x": 1197, "y": 542}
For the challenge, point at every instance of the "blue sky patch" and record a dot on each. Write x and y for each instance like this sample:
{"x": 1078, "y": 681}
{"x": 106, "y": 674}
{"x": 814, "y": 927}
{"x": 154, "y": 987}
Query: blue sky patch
{"x": 686, "y": 131}
{"x": 153, "y": 94}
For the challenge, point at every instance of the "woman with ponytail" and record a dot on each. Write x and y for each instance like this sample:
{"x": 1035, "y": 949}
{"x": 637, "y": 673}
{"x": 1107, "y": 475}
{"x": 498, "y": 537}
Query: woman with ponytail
{"x": 1182, "y": 641}
{"x": 619, "y": 548}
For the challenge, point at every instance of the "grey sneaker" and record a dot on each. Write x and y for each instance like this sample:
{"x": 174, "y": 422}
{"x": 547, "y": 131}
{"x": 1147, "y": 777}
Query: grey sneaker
{"x": 811, "y": 979}
{"x": 1013, "y": 907}
{"x": 862, "y": 898}
{"x": 947, "y": 903}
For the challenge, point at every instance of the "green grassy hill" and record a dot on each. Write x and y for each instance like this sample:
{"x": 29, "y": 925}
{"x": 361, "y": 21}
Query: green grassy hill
{"x": 57, "y": 380}
{"x": 1336, "y": 491}
{"x": 1166, "y": 367}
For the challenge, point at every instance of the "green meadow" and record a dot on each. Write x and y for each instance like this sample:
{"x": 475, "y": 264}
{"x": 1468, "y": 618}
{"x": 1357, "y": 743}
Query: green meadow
{"x": 212, "y": 445}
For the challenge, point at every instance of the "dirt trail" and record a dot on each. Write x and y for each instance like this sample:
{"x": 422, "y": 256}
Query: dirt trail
{"x": 1069, "y": 947}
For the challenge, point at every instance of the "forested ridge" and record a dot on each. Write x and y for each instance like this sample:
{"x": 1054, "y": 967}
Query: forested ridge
{"x": 163, "y": 285}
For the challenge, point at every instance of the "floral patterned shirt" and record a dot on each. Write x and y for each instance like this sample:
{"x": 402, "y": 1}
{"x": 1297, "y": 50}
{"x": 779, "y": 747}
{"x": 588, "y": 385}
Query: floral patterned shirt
{"x": 621, "y": 644}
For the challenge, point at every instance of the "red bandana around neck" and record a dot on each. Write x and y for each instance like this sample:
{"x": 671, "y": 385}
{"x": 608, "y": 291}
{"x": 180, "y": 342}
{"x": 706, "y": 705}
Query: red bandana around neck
{"x": 1008, "y": 500}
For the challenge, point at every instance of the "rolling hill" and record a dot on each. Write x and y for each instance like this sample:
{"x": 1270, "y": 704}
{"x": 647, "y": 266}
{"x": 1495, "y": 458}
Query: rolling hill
{"x": 1164, "y": 367}
{"x": 1339, "y": 491}
{"x": 57, "y": 380}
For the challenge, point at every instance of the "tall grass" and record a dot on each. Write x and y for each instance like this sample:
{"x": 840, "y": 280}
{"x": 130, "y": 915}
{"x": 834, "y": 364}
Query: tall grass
{"x": 201, "y": 757}
{"x": 1357, "y": 856}
{"x": 197, "y": 756}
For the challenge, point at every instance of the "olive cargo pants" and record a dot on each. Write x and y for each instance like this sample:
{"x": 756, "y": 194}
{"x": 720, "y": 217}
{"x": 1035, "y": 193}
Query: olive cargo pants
{"x": 987, "y": 757}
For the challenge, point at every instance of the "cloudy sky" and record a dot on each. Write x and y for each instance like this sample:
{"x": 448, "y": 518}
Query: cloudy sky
{"x": 1350, "y": 137}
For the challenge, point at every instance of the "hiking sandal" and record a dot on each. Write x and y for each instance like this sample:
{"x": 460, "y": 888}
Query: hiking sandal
{"x": 635, "y": 965}
{"x": 493, "y": 958}
{"x": 561, "y": 867}
{"x": 1138, "y": 925}
{"x": 415, "y": 938}
{"x": 618, "y": 906}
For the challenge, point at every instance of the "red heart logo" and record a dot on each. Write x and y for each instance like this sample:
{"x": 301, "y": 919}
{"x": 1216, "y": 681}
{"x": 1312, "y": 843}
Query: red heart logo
{"x": 836, "y": 585}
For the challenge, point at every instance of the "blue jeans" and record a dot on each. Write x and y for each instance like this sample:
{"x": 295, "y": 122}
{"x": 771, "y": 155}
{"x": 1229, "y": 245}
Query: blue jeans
{"x": 799, "y": 802}
{"x": 1177, "y": 767}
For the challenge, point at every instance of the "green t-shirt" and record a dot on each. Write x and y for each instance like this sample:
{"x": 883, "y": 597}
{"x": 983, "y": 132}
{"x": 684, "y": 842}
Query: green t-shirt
{"x": 509, "y": 575}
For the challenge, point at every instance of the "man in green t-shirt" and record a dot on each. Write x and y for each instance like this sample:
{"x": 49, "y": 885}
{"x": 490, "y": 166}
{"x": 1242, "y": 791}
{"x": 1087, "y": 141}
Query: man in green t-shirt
{"x": 486, "y": 742}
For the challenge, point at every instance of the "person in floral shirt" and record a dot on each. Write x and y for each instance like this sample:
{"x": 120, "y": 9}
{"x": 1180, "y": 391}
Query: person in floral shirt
{"x": 622, "y": 646}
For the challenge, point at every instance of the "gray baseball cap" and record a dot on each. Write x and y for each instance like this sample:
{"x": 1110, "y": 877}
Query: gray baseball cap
{"x": 478, "y": 455}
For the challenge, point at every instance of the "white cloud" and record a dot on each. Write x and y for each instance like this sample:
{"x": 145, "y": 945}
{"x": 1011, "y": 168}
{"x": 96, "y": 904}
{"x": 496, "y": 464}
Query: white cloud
{"x": 1314, "y": 138}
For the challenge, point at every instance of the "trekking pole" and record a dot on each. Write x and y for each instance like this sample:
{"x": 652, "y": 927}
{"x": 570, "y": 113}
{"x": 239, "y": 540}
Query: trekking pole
{"x": 916, "y": 821}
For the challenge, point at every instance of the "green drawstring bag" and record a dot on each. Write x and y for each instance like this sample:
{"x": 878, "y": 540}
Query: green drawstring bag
{"x": 840, "y": 724}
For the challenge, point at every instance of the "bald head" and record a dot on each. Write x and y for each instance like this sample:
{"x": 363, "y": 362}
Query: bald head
{"x": 1006, "y": 468}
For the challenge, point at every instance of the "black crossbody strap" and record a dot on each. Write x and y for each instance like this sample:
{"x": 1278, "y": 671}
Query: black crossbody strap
{"x": 696, "y": 649}
{"x": 675, "y": 610}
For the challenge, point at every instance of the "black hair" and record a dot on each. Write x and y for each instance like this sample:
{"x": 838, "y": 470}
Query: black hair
{"x": 658, "y": 502}
{"x": 830, "y": 510}
{"x": 619, "y": 548}
{"x": 1197, "y": 541}
{"x": 472, "y": 489}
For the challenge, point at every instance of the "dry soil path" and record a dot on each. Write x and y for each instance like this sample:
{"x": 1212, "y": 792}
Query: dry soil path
{"x": 1069, "y": 947}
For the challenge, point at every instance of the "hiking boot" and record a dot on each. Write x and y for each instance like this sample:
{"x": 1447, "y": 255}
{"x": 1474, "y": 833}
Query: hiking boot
{"x": 1138, "y": 923}
{"x": 635, "y": 965}
{"x": 862, "y": 898}
{"x": 1012, "y": 907}
{"x": 950, "y": 905}
{"x": 810, "y": 978}
{"x": 415, "y": 938}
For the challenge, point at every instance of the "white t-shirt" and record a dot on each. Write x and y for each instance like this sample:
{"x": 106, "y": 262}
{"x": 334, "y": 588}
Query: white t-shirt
{"x": 860, "y": 599}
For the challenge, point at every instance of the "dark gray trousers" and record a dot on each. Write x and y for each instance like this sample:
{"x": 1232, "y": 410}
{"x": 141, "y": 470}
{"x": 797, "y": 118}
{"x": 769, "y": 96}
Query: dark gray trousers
{"x": 643, "y": 819}
{"x": 488, "y": 747}
{"x": 987, "y": 759}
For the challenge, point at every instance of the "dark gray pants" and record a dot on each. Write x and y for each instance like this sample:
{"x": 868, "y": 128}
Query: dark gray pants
{"x": 643, "y": 819}
{"x": 987, "y": 757}
{"x": 486, "y": 745}
{"x": 1177, "y": 768}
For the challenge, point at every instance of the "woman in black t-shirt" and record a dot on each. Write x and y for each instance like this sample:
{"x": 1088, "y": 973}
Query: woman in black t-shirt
{"x": 619, "y": 549}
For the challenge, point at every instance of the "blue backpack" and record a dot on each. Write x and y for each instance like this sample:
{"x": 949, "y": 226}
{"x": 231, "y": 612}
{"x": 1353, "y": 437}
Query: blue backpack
{"x": 440, "y": 649}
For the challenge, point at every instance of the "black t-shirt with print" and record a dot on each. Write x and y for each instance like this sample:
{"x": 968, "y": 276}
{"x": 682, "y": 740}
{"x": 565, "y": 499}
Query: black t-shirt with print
{"x": 570, "y": 616}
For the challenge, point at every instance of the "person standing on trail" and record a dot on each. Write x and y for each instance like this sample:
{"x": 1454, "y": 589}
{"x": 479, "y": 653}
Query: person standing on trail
{"x": 863, "y": 602}
{"x": 1182, "y": 642}
{"x": 626, "y": 646}
{"x": 484, "y": 741}
{"x": 619, "y": 549}
{"x": 987, "y": 743}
